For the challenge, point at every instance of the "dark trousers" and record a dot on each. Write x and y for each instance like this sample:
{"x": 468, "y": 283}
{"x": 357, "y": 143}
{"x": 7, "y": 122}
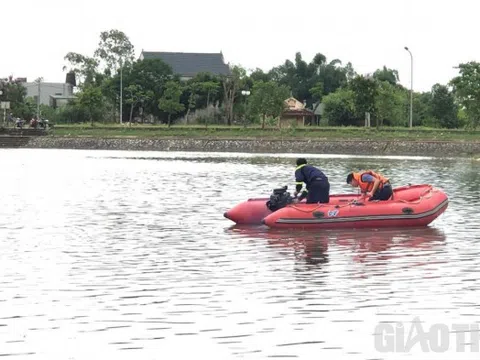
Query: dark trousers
{"x": 318, "y": 192}
{"x": 382, "y": 194}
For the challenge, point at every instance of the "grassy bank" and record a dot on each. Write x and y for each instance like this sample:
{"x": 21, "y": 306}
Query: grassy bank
{"x": 330, "y": 133}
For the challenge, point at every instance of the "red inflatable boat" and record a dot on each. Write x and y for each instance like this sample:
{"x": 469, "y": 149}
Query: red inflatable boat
{"x": 253, "y": 211}
{"x": 411, "y": 206}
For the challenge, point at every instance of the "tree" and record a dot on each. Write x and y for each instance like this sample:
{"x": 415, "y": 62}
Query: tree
{"x": 365, "y": 92}
{"x": 91, "y": 99}
{"x": 268, "y": 99}
{"x": 299, "y": 75}
{"x": 317, "y": 92}
{"x": 170, "y": 101}
{"x": 14, "y": 92}
{"x": 84, "y": 67}
{"x": 135, "y": 95}
{"x": 388, "y": 75}
{"x": 26, "y": 109}
{"x": 209, "y": 88}
{"x": 231, "y": 86}
{"x": 302, "y": 77}
{"x": 422, "y": 104}
{"x": 340, "y": 108}
{"x": 150, "y": 74}
{"x": 334, "y": 76}
{"x": 444, "y": 109}
{"x": 259, "y": 75}
{"x": 192, "y": 101}
{"x": 390, "y": 104}
{"x": 467, "y": 90}
{"x": 115, "y": 49}
{"x": 116, "y": 52}
{"x": 350, "y": 73}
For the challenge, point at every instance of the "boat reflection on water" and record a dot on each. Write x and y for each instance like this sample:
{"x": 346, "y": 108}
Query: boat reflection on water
{"x": 369, "y": 245}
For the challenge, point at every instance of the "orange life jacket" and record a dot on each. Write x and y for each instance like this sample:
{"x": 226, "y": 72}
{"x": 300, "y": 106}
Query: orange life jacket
{"x": 366, "y": 186}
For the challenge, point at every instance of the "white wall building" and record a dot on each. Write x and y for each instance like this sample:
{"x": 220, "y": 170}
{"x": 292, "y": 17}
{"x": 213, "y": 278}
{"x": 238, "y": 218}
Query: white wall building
{"x": 49, "y": 92}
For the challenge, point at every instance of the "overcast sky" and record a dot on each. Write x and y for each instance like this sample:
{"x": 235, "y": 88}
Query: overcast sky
{"x": 36, "y": 34}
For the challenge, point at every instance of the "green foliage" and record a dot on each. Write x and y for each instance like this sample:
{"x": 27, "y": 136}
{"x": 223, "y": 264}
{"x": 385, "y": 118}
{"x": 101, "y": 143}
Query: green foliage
{"x": 317, "y": 92}
{"x": 91, "y": 100}
{"x": 84, "y": 67}
{"x": 388, "y": 75}
{"x": 365, "y": 92}
{"x": 268, "y": 99}
{"x": 72, "y": 114}
{"x": 25, "y": 110}
{"x": 389, "y": 104}
{"x": 259, "y": 75}
{"x": 136, "y": 95}
{"x": 444, "y": 109}
{"x": 16, "y": 93}
{"x": 150, "y": 88}
{"x": 115, "y": 49}
{"x": 340, "y": 108}
{"x": 207, "y": 88}
{"x": 170, "y": 101}
{"x": 301, "y": 76}
{"x": 151, "y": 75}
{"x": 462, "y": 118}
{"x": 422, "y": 114}
{"x": 467, "y": 91}
{"x": 232, "y": 86}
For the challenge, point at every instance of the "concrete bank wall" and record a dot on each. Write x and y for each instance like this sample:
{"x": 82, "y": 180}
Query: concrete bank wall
{"x": 358, "y": 147}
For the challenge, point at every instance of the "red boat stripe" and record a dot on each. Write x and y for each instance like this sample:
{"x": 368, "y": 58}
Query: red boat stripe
{"x": 363, "y": 218}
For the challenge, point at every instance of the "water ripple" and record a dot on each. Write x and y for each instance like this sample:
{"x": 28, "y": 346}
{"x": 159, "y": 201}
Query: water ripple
{"x": 120, "y": 254}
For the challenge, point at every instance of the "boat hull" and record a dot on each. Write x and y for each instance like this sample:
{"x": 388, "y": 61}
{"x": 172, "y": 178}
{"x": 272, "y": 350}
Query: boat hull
{"x": 412, "y": 206}
{"x": 253, "y": 211}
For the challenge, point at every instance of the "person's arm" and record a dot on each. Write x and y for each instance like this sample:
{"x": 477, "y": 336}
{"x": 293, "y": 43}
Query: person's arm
{"x": 369, "y": 178}
{"x": 376, "y": 184}
{"x": 298, "y": 181}
{"x": 303, "y": 195}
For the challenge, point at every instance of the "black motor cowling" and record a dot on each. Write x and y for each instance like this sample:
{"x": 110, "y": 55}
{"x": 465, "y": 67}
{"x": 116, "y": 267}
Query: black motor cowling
{"x": 279, "y": 199}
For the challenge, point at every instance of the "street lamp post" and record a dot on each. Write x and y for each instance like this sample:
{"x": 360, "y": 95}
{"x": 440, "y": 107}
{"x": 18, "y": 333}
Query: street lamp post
{"x": 245, "y": 93}
{"x": 121, "y": 91}
{"x": 4, "y": 111}
{"x": 411, "y": 87}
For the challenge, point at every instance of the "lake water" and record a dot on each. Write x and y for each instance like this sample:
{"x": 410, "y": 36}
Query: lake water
{"x": 126, "y": 255}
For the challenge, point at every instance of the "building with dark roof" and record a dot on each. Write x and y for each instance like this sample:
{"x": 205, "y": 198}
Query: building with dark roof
{"x": 187, "y": 65}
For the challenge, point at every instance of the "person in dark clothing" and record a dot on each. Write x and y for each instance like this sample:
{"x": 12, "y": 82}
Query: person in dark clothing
{"x": 318, "y": 187}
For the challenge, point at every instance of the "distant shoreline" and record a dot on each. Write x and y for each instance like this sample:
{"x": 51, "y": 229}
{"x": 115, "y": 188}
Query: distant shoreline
{"x": 434, "y": 148}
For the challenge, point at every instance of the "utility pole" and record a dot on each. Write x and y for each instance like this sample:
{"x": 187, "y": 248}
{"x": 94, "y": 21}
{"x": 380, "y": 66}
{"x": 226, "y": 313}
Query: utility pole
{"x": 39, "y": 80}
{"x": 411, "y": 87}
{"x": 4, "y": 109}
{"x": 121, "y": 91}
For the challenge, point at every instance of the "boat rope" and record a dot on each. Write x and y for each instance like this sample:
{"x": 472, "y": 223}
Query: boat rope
{"x": 426, "y": 194}
{"x": 322, "y": 205}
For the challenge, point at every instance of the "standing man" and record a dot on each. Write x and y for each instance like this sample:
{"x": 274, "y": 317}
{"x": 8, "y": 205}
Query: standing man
{"x": 318, "y": 187}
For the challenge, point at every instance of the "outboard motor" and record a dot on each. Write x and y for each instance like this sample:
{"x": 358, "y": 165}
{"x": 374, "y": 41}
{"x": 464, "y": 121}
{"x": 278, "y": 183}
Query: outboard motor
{"x": 279, "y": 199}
